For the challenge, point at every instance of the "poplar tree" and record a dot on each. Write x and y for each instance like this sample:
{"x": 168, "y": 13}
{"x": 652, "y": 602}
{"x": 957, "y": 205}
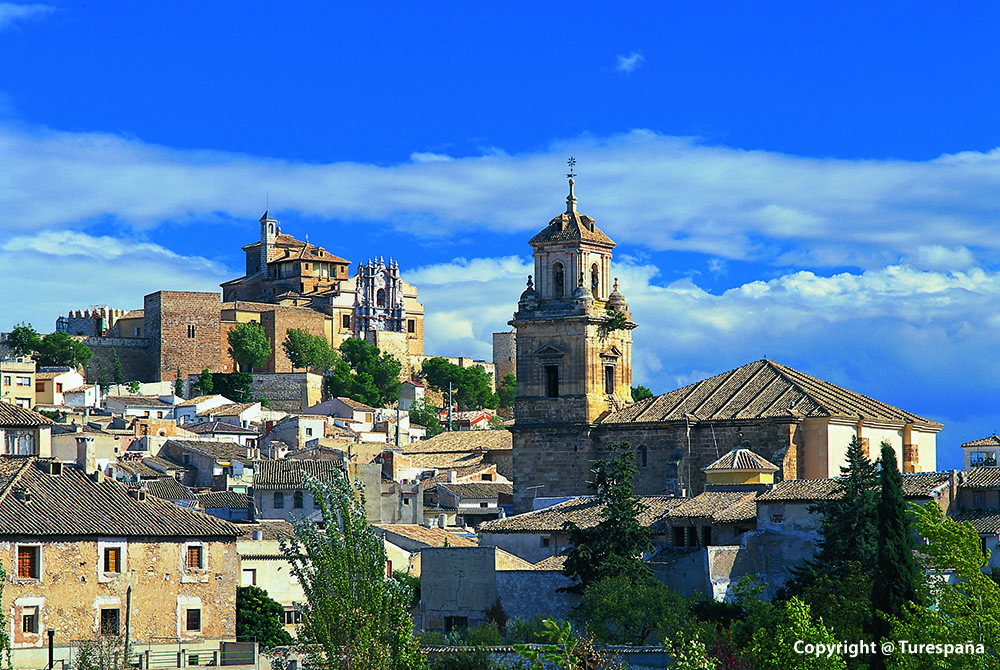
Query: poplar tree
{"x": 897, "y": 574}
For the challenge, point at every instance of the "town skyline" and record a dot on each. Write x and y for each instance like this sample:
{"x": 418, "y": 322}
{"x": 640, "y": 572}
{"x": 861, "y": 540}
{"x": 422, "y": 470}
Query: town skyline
{"x": 852, "y": 243}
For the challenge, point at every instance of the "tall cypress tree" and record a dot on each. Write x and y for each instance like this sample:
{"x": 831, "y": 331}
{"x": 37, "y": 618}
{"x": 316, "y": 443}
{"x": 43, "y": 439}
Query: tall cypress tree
{"x": 897, "y": 574}
{"x": 849, "y": 519}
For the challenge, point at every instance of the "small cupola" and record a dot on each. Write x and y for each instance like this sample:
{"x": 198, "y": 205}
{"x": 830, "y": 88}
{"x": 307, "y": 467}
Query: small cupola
{"x": 740, "y": 467}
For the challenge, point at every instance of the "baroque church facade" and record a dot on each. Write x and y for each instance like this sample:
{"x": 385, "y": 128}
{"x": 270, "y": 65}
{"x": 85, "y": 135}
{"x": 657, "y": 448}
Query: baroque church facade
{"x": 574, "y": 405}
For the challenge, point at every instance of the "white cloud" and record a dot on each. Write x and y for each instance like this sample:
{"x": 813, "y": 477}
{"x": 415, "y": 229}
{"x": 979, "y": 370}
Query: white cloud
{"x": 629, "y": 63}
{"x": 13, "y": 13}
{"x": 46, "y": 275}
{"x": 654, "y": 191}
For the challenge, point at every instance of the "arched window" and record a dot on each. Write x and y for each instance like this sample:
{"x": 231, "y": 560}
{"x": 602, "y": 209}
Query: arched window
{"x": 298, "y": 500}
{"x": 595, "y": 280}
{"x": 643, "y": 455}
{"x": 557, "y": 280}
{"x": 270, "y": 229}
{"x": 380, "y": 297}
{"x": 279, "y": 500}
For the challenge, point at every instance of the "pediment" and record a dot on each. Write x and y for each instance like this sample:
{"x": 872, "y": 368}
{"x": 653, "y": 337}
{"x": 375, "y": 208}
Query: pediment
{"x": 611, "y": 352}
{"x": 549, "y": 351}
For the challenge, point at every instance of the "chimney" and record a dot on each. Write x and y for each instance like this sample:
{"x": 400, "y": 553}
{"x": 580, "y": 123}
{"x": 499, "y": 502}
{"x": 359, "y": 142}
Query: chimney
{"x": 22, "y": 493}
{"x": 258, "y": 535}
{"x": 86, "y": 455}
{"x": 53, "y": 467}
{"x": 452, "y": 476}
{"x": 137, "y": 494}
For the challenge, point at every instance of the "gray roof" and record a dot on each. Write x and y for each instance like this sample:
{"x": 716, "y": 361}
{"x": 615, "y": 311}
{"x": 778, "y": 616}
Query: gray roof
{"x": 167, "y": 488}
{"x": 762, "y": 390}
{"x": 217, "y": 449}
{"x": 479, "y": 490}
{"x": 218, "y": 427}
{"x": 583, "y": 511}
{"x": 218, "y": 499}
{"x": 18, "y": 417}
{"x": 919, "y": 485}
{"x": 73, "y": 504}
{"x": 270, "y": 475}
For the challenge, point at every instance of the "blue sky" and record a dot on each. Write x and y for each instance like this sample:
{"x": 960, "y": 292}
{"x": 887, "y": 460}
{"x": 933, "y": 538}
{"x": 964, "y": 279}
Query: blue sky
{"x": 814, "y": 185}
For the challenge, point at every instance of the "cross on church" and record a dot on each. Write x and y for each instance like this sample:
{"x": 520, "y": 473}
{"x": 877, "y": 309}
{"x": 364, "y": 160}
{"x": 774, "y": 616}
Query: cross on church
{"x": 572, "y": 164}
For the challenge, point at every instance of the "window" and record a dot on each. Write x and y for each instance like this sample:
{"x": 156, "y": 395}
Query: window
{"x": 982, "y": 545}
{"x": 551, "y": 381}
{"x": 195, "y": 557}
{"x": 545, "y": 540}
{"x": 28, "y": 563}
{"x": 26, "y": 381}
{"x": 484, "y": 504}
{"x": 487, "y": 477}
{"x": 692, "y": 537}
{"x": 19, "y": 442}
{"x": 411, "y": 326}
{"x": 609, "y": 379}
{"x": 380, "y": 298}
{"x": 309, "y": 432}
{"x": 6, "y": 381}
{"x": 706, "y": 535}
{"x": 643, "y": 454}
{"x": 39, "y": 385}
{"x": 345, "y": 321}
{"x": 193, "y": 619}
{"x": 249, "y": 577}
{"x": 59, "y": 387}
{"x": 777, "y": 518}
{"x": 678, "y": 536}
{"x": 595, "y": 280}
{"x": 137, "y": 331}
{"x": 279, "y": 500}
{"x": 558, "y": 280}
{"x": 983, "y": 458}
{"x": 292, "y": 617}
{"x": 191, "y": 331}
{"x": 455, "y": 623}
{"x": 298, "y": 500}
{"x": 110, "y": 621}
{"x": 112, "y": 559}
{"x": 29, "y": 620}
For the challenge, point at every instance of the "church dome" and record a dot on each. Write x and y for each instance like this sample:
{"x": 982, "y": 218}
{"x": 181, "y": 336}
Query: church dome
{"x": 616, "y": 300}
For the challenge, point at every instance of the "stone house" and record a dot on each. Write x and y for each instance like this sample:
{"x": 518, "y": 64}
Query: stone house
{"x": 982, "y": 452}
{"x": 410, "y": 392}
{"x": 187, "y": 411}
{"x": 227, "y": 505}
{"x": 475, "y": 502}
{"x": 150, "y": 407}
{"x": 24, "y": 432}
{"x": 357, "y": 416}
{"x": 405, "y": 541}
{"x": 239, "y": 414}
{"x": 85, "y": 555}
{"x": 978, "y": 502}
{"x": 85, "y": 395}
{"x": 279, "y": 487}
{"x": 214, "y": 464}
{"x": 51, "y": 383}
{"x": 299, "y": 430}
{"x": 221, "y": 431}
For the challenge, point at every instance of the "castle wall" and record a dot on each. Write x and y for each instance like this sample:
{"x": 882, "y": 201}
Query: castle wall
{"x": 134, "y": 354}
{"x": 504, "y": 354}
{"x": 169, "y": 319}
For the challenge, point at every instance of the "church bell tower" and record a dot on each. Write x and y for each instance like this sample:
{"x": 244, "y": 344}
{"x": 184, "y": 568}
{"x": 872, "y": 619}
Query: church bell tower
{"x": 574, "y": 362}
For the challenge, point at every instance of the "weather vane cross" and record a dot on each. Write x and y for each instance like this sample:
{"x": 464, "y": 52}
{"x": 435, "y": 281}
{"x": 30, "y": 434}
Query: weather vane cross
{"x": 572, "y": 165}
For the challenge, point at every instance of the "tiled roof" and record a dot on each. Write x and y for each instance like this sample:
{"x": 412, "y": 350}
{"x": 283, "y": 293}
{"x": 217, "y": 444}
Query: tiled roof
{"x": 133, "y": 314}
{"x": 234, "y": 409}
{"x": 761, "y": 390}
{"x": 715, "y": 505}
{"x": 139, "y": 401}
{"x": 551, "y": 563}
{"x": 190, "y": 402}
{"x": 354, "y": 404}
{"x": 569, "y": 227}
{"x": 670, "y": 555}
{"x": 46, "y": 376}
{"x": 218, "y": 427}
{"x": 983, "y": 520}
{"x": 742, "y": 459}
{"x": 270, "y": 529}
{"x": 738, "y": 513}
{"x": 217, "y": 499}
{"x": 452, "y": 461}
{"x": 460, "y": 473}
{"x": 167, "y": 488}
{"x": 74, "y": 504}
{"x": 79, "y": 388}
{"x": 463, "y": 441}
{"x": 583, "y": 511}
{"x": 286, "y": 474}
{"x": 921, "y": 485}
{"x": 984, "y": 477}
{"x": 217, "y": 449}
{"x": 431, "y": 537}
{"x": 138, "y": 468}
{"x": 479, "y": 490}
{"x": 14, "y": 416}
{"x": 162, "y": 465}
{"x": 991, "y": 441}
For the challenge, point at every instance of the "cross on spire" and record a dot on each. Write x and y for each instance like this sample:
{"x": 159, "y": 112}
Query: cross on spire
{"x": 571, "y": 199}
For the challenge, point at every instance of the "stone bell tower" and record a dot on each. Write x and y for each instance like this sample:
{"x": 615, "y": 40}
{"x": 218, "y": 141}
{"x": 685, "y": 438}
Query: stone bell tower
{"x": 571, "y": 368}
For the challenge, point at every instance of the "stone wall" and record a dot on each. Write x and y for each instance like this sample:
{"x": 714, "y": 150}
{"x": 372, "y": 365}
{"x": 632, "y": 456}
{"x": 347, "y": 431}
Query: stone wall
{"x": 504, "y": 354}
{"x": 288, "y": 391}
{"x": 135, "y": 354}
{"x": 527, "y": 593}
{"x": 278, "y": 321}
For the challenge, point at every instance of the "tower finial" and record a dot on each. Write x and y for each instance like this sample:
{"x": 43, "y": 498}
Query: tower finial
{"x": 571, "y": 198}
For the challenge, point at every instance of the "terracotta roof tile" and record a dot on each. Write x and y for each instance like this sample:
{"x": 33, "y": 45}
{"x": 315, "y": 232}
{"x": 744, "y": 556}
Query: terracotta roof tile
{"x": 742, "y": 459}
{"x": 190, "y": 402}
{"x": 983, "y": 520}
{"x": 479, "y": 490}
{"x": 167, "y": 488}
{"x": 15, "y": 416}
{"x": 991, "y": 441}
{"x": 583, "y": 511}
{"x": 761, "y": 390}
{"x": 431, "y": 537}
{"x": 218, "y": 427}
{"x": 463, "y": 441}
{"x": 217, "y": 449}
{"x": 217, "y": 499}
{"x": 288, "y": 474}
{"x": 569, "y": 227}
{"x": 140, "y": 401}
{"x": 984, "y": 477}
{"x": 921, "y": 485}
{"x": 716, "y": 505}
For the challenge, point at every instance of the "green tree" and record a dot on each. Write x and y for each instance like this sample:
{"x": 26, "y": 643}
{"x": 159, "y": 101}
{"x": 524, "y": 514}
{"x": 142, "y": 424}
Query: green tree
{"x": 179, "y": 385}
{"x": 615, "y": 544}
{"x": 102, "y": 378}
{"x": 619, "y": 610}
{"x": 233, "y": 385}
{"x": 775, "y": 649}
{"x": 205, "y": 384}
{"x": 61, "y": 349}
{"x": 116, "y": 368}
{"x": 24, "y": 339}
{"x": 640, "y": 392}
{"x": 354, "y": 616}
{"x": 427, "y": 416}
{"x": 848, "y": 525}
{"x": 133, "y": 387}
{"x": 507, "y": 391}
{"x": 897, "y": 575}
{"x": 472, "y": 387}
{"x": 365, "y": 374}
{"x": 966, "y": 607}
{"x": 260, "y": 618}
{"x": 306, "y": 350}
{"x": 690, "y": 654}
{"x": 249, "y": 346}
